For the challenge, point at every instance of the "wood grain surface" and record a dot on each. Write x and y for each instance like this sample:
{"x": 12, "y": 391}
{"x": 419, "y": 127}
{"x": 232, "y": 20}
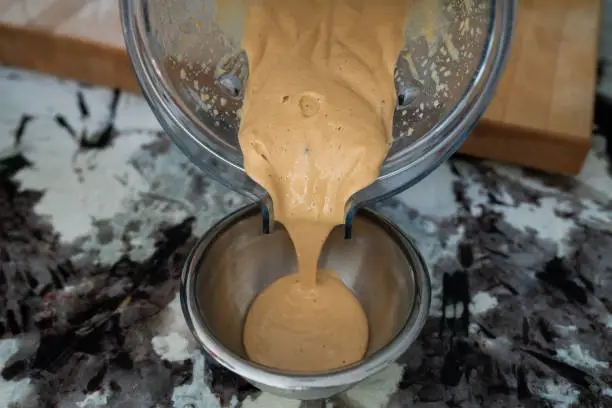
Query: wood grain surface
{"x": 541, "y": 115}
{"x": 78, "y": 39}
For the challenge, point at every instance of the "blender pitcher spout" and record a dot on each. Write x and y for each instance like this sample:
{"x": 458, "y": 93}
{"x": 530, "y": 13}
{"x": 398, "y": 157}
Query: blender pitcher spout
{"x": 268, "y": 221}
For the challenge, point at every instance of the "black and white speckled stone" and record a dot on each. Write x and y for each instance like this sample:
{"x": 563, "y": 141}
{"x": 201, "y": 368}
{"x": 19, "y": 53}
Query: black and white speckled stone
{"x": 97, "y": 211}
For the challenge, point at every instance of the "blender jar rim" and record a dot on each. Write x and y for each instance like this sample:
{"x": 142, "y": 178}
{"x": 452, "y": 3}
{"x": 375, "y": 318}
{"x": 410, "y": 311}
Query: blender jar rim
{"x": 415, "y": 161}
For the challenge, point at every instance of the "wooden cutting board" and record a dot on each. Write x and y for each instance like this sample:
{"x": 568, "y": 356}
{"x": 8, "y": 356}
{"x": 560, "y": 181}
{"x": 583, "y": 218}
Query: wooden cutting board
{"x": 541, "y": 115}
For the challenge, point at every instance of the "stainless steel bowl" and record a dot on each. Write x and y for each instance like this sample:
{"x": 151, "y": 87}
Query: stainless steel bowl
{"x": 235, "y": 261}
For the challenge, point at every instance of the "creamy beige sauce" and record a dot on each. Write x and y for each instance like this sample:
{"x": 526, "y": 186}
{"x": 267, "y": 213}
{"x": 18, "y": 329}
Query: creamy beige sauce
{"x": 315, "y": 128}
{"x": 294, "y": 328}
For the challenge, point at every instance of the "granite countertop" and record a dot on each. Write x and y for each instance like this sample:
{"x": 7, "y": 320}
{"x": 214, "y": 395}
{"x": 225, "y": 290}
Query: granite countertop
{"x": 98, "y": 210}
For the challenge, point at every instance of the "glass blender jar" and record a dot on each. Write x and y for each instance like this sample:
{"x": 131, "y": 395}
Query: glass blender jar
{"x": 192, "y": 72}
